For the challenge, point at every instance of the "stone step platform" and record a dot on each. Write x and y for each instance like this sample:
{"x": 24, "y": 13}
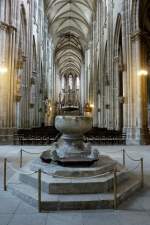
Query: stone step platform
{"x": 103, "y": 165}
{"x": 72, "y": 201}
{"x": 84, "y": 185}
{"x": 70, "y": 188}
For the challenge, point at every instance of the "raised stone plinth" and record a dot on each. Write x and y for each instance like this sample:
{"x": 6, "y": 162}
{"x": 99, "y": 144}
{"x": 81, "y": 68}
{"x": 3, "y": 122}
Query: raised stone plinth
{"x": 65, "y": 188}
{"x": 73, "y": 175}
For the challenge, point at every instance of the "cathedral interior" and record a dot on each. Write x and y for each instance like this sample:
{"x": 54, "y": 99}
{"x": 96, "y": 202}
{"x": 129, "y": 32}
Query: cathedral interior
{"x": 75, "y": 59}
{"x": 89, "y": 56}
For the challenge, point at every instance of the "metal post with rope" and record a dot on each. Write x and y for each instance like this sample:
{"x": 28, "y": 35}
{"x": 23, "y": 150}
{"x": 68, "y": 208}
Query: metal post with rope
{"x": 5, "y": 183}
{"x": 27, "y": 152}
{"x": 39, "y": 189}
{"x": 142, "y": 172}
{"x": 5, "y": 174}
{"x": 124, "y": 157}
{"x": 21, "y": 151}
{"x": 115, "y": 188}
{"x": 141, "y": 161}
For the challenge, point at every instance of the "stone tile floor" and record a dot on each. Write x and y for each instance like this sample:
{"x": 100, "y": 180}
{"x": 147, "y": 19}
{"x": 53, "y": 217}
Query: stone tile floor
{"x": 135, "y": 211}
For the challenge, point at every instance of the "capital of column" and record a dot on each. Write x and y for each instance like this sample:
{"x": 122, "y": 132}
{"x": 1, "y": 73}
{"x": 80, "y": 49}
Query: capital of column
{"x": 137, "y": 35}
{"x": 7, "y": 27}
{"x": 116, "y": 59}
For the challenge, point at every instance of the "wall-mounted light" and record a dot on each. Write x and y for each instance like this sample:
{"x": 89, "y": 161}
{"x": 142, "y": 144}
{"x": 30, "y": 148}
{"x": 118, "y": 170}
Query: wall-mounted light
{"x": 142, "y": 73}
{"x": 88, "y": 107}
{"x": 3, "y": 70}
{"x": 92, "y": 106}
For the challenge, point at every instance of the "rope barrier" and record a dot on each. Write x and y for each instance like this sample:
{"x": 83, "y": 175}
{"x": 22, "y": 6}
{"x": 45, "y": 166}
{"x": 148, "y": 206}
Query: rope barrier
{"x": 13, "y": 183}
{"x": 134, "y": 168}
{"x": 112, "y": 151}
{"x": 32, "y": 153}
{"x": 88, "y": 177}
{"x": 20, "y": 171}
{"x": 8, "y": 163}
{"x": 124, "y": 154}
{"x": 136, "y": 160}
{"x": 5, "y": 184}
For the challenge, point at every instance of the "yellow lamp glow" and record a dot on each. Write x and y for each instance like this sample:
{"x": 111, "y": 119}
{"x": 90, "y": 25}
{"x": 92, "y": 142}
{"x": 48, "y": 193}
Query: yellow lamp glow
{"x": 3, "y": 70}
{"x": 92, "y": 105}
{"x": 143, "y": 73}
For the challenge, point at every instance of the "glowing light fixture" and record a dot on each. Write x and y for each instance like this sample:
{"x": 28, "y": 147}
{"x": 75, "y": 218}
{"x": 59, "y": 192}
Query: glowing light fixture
{"x": 143, "y": 73}
{"x": 92, "y": 106}
{"x": 3, "y": 70}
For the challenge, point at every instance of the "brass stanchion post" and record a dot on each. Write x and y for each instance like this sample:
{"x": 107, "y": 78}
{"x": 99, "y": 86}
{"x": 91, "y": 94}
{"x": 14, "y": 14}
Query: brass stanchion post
{"x": 115, "y": 188}
{"x": 142, "y": 173}
{"x": 39, "y": 190}
{"x": 21, "y": 157}
{"x": 124, "y": 157}
{"x": 5, "y": 174}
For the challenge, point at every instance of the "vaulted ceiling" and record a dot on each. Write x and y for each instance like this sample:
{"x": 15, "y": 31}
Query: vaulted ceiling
{"x": 69, "y": 25}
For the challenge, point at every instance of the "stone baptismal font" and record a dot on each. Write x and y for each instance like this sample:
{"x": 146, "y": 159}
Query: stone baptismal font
{"x": 71, "y": 150}
{"x": 74, "y": 175}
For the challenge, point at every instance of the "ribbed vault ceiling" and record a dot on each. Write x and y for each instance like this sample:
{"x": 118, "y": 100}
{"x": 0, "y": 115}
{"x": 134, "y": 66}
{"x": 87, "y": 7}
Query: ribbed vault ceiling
{"x": 69, "y": 25}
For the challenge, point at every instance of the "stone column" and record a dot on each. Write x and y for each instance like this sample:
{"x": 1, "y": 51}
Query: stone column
{"x": 4, "y": 77}
{"x": 127, "y": 74}
{"x": 126, "y": 48}
{"x": 139, "y": 86}
{"x": 116, "y": 93}
{"x": 110, "y": 122}
{"x": 82, "y": 80}
{"x": 101, "y": 68}
{"x": 7, "y": 33}
{"x": 94, "y": 78}
{"x": 86, "y": 76}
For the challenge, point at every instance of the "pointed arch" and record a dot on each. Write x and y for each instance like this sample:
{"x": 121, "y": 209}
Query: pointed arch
{"x": 118, "y": 29}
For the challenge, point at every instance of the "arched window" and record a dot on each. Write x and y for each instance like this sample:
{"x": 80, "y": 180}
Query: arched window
{"x": 70, "y": 81}
{"x": 63, "y": 82}
{"x": 78, "y": 83}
